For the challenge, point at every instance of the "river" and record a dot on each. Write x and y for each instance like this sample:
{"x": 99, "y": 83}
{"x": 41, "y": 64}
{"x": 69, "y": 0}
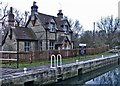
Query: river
{"x": 107, "y": 76}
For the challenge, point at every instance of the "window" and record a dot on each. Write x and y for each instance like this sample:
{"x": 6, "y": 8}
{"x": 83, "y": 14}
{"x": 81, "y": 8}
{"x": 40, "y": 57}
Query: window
{"x": 52, "y": 27}
{"x": 62, "y": 26}
{"x": 40, "y": 45}
{"x": 66, "y": 29}
{"x": 51, "y": 45}
{"x": 27, "y": 46}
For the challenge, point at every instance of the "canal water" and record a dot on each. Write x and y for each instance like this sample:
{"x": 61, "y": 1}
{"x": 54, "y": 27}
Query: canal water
{"x": 106, "y": 76}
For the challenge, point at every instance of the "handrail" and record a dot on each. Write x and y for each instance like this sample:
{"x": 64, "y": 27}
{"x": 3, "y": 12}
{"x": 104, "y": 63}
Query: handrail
{"x": 54, "y": 59}
{"x": 59, "y": 55}
{"x": 53, "y": 56}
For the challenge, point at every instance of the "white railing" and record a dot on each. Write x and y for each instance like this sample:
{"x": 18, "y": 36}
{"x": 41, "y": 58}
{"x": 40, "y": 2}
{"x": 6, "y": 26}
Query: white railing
{"x": 59, "y": 64}
{"x": 56, "y": 61}
{"x": 53, "y": 58}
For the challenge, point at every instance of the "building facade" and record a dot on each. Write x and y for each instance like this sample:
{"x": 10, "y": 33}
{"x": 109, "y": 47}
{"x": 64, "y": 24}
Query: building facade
{"x": 42, "y": 32}
{"x": 52, "y": 32}
{"x": 17, "y": 38}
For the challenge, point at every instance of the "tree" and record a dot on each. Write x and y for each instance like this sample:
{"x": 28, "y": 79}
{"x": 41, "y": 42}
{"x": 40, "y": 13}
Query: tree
{"x": 109, "y": 25}
{"x": 87, "y": 38}
{"x": 20, "y": 18}
{"x": 78, "y": 28}
{"x": 3, "y": 10}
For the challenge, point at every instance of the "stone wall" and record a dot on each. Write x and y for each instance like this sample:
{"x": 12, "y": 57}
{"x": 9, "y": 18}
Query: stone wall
{"x": 51, "y": 75}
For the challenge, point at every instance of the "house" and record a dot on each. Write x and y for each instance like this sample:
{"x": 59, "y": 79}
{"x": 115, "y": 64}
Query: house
{"x": 16, "y": 38}
{"x": 52, "y": 32}
{"x": 42, "y": 32}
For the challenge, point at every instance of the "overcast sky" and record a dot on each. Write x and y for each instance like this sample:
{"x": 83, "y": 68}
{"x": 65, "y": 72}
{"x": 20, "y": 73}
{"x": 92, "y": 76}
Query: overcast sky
{"x": 86, "y": 11}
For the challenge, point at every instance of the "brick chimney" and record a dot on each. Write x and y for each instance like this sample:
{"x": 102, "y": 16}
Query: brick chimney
{"x": 60, "y": 14}
{"x": 11, "y": 17}
{"x": 34, "y": 8}
{"x": 11, "y": 21}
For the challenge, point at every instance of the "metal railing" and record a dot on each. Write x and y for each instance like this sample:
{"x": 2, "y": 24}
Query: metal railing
{"x": 56, "y": 61}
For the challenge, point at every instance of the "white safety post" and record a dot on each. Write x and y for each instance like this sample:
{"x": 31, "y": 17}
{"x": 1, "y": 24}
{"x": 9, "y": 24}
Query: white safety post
{"x": 116, "y": 54}
{"x": 77, "y": 61}
{"x": 102, "y": 56}
{"x": 25, "y": 70}
{"x": 59, "y": 56}
{"x": 53, "y": 59}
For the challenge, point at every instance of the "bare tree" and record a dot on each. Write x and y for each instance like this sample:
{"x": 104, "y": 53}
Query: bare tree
{"x": 77, "y": 28}
{"x": 21, "y": 18}
{"x": 4, "y": 11}
{"x": 87, "y": 38}
{"x": 26, "y": 16}
{"x": 109, "y": 25}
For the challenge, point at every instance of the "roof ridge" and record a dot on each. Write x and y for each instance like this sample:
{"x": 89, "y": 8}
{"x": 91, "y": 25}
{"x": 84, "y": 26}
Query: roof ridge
{"x": 46, "y": 14}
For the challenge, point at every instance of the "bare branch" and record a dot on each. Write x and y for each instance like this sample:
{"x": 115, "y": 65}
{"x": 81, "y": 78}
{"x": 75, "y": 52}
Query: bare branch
{"x": 5, "y": 12}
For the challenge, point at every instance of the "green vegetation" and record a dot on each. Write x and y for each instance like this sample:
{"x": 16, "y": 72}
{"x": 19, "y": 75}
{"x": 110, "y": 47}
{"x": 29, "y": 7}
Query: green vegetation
{"x": 87, "y": 57}
{"x": 33, "y": 64}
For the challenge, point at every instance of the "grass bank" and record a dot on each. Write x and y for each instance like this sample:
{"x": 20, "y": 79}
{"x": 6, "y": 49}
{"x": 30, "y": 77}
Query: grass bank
{"x": 70, "y": 59}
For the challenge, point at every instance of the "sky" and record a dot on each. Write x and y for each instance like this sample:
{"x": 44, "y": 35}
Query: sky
{"x": 86, "y": 11}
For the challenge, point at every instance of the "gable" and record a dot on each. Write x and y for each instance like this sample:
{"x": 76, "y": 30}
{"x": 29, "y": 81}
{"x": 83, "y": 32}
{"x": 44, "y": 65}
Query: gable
{"x": 66, "y": 23}
{"x": 36, "y": 25}
{"x": 52, "y": 20}
{"x": 63, "y": 39}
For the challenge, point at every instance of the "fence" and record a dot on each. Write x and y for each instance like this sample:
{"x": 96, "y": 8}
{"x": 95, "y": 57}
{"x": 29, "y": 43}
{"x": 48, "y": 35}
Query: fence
{"x": 45, "y": 55}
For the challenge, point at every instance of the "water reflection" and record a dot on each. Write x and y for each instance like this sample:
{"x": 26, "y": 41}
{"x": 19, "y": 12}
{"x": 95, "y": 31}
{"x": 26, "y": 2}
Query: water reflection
{"x": 109, "y": 76}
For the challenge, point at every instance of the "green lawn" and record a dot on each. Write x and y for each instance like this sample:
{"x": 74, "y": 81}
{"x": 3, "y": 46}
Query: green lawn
{"x": 33, "y": 64}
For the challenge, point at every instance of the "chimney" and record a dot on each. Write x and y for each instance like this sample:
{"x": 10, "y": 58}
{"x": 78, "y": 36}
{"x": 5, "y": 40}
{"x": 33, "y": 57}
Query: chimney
{"x": 60, "y": 14}
{"x": 11, "y": 17}
{"x": 34, "y": 8}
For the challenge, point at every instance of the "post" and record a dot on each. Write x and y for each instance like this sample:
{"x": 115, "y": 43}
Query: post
{"x": 94, "y": 34}
{"x": 46, "y": 40}
{"x": 17, "y": 54}
{"x": 102, "y": 56}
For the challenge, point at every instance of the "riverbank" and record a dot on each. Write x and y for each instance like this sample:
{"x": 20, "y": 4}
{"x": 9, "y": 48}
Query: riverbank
{"x": 8, "y": 69}
{"x": 64, "y": 60}
{"x": 45, "y": 75}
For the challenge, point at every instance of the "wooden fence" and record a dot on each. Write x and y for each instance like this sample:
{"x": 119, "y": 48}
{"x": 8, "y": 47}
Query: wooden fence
{"x": 45, "y": 55}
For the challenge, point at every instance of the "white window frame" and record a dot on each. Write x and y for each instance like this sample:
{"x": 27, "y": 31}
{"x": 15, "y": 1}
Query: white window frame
{"x": 27, "y": 46}
{"x": 66, "y": 29}
{"x": 51, "y": 45}
{"x": 52, "y": 27}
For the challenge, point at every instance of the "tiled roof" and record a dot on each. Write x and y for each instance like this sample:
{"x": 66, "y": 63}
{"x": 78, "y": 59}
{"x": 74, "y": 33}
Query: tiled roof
{"x": 44, "y": 18}
{"x": 22, "y": 33}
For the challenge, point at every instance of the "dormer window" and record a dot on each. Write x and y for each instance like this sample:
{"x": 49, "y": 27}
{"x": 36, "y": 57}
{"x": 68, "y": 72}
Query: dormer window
{"x": 62, "y": 26}
{"x": 52, "y": 27}
{"x": 47, "y": 24}
{"x": 65, "y": 29}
